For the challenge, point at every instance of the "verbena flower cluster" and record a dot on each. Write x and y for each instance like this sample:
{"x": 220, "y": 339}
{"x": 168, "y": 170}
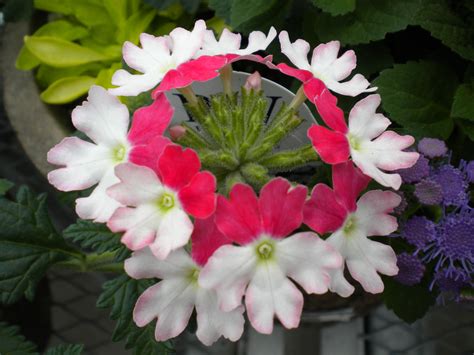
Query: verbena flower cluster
{"x": 229, "y": 239}
{"x": 444, "y": 241}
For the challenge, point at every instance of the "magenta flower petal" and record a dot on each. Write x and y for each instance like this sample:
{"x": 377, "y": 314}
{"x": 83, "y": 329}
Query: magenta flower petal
{"x": 333, "y": 147}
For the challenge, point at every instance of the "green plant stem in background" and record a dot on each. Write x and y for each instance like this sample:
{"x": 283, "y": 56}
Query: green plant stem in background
{"x": 298, "y": 100}
{"x": 189, "y": 95}
{"x": 105, "y": 262}
{"x": 226, "y": 77}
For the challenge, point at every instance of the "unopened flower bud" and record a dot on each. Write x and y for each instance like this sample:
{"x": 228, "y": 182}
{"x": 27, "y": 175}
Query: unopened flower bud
{"x": 176, "y": 132}
{"x": 254, "y": 81}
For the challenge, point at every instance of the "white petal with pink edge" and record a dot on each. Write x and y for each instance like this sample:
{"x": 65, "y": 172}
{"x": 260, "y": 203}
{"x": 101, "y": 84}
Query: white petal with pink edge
{"x": 99, "y": 206}
{"x": 103, "y": 118}
{"x": 84, "y": 164}
{"x": 376, "y": 205}
{"x": 297, "y": 52}
{"x": 172, "y": 302}
{"x": 212, "y": 322}
{"x": 364, "y": 122}
{"x": 143, "y": 264}
{"x": 269, "y": 294}
{"x": 229, "y": 271}
{"x": 307, "y": 259}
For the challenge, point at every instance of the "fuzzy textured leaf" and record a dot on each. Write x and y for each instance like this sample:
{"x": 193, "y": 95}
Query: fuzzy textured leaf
{"x": 121, "y": 294}
{"x": 13, "y": 343}
{"x": 5, "y": 185}
{"x": 336, "y": 7}
{"x": 371, "y": 20}
{"x": 66, "y": 349}
{"x": 463, "y": 105}
{"x": 29, "y": 245}
{"x": 413, "y": 97}
{"x": 96, "y": 236}
{"x": 242, "y": 11}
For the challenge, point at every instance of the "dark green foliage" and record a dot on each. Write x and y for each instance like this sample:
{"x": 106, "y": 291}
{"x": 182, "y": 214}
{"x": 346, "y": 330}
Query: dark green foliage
{"x": 69, "y": 349}
{"x": 13, "y": 343}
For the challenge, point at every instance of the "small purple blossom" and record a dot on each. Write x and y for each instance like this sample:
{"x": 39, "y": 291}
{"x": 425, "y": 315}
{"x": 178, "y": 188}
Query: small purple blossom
{"x": 452, "y": 184}
{"x": 420, "y": 170}
{"x": 432, "y": 147}
{"x": 411, "y": 269}
{"x": 428, "y": 192}
{"x": 419, "y": 231}
{"x": 451, "y": 282}
{"x": 468, "y": 169}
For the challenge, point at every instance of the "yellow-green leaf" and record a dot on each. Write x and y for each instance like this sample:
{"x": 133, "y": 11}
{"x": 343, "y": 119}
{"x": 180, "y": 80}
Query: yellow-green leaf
{"x": 91, "y": 14}
{"x": 59, "y": 6}
{"x": 46, "y": 75}
{"x": 135, "y": 25}
{"x": 67, "y": 89}
{"x": 26, "y": 60}
{"x": 105, "y": 75}
{"x": 61, "y": 53}
{"x": 117, "y": 10}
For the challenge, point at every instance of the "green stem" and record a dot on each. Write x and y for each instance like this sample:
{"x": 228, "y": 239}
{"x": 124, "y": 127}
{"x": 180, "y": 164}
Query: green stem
{"x": 299, "y": 98}
{"x": 189, "y": 94}
{"x": 94, "y": 262}
{"x": 226, "y": 77}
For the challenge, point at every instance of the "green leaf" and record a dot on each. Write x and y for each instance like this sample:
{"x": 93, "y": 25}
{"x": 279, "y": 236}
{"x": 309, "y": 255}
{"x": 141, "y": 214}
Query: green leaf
{"x": 60, "y": 29}
{"x": 96, "y": 236}
{"x": 67, "y": 89}
{"x": 59, "y": 6}
{"x": 222, "y": 8}
{"x": 371, "y": 20}
{"x": 336, "y": 7}
{"x": 29, "y": 245}
{"x": 13, "y": 343}
{"x": 135, "y": 25}
{"x": 463, "y": 105}
{"x": 47, "y": 75}
{"x": 104, "y": 78}
{"x": 117, "y": 10}
{"x": 372, "y": 58}
{"x": 5, "y": 186}
{"x": 121, "y": 294}
{"x": 413, "y": 97}
{"x": 18, "y": 10}
{"x": 449, "y": 27}
{"x": 242, "y": 11}
{"x": 467, "y": 127}
{"x": 409, "y": 303}
{"x": 91, "y": 13}
{"x": 61, "y": 53}
{"x": 66, "y": 349}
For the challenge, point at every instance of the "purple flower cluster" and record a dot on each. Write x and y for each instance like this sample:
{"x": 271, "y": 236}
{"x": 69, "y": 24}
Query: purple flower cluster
{"x": 447, "y": 245}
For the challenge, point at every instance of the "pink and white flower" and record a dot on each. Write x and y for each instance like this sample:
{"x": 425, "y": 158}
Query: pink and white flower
{"x": 366, "y": 141}
{"x": 325, "y": 67}
{"x": 159, "y": 199}
{"x": 336, "y": 210}
{"x": 173, "y": 299}
{"x": 261, "y": 266}
{"x": 166, "y": 60}
{"x": 105, "y": 120}
{"x": 229, "y": 44}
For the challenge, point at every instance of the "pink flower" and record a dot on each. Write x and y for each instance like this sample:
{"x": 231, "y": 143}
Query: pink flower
{"x": 85, "y": 163}
{"x": 173, "y": 299}
{"x": 351, "y": 223}
{"x": 266, "y": 257}
{"x": 325, "y": 66}
{"x": 371, "y": 147}
{"x": 160, "y": 199}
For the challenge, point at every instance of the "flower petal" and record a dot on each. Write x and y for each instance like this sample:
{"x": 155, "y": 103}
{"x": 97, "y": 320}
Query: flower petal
{"x": 324, "y": 55}
{"x": 373, "y": 210}
{"x": 144, "y": 265}
{"x": 85, "y": 164}
{"x": 187, "y": 43}
{"x": 364, "y": 122}
{"x": 390, "y": 155}
{"x": 281, "y": 207}
{"x": 333, "y": 147}
{"x": 228, "y": 272}
{"x": 297, "y": 52}
{"x": 103, "y": 118}
{"x": 368, "y": 168}
{"x": 300, "y": 74}
{"x": 348, "y": 183}
{"x": 177, "y": 166}
{"x": 198, "y": 198}
{"x": 133, "y": 85}
{"x": 99, "y": 206}
{"x": 339, "y": 284}
{"x": 174, "y": 232}
{"x": 357, "y": 85}
{"x": 323, "y": 212}
{"x": 270, "y": 294}
{"x": 212, "y": 322}
{"x": 307, "y": 259}
{"x": 313, "y": 89}
{"x": 150, "y": 121}
{"x": 138, "y": 185}
{"x": 206, "y": 239}
{"x": 239, "y": 217}
{"x": 149, "y": 154}
{"x": 172, "y": 302}
{"x": 332, "y": 115}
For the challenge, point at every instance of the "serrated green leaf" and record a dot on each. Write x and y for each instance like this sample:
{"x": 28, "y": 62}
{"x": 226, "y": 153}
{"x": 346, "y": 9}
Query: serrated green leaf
{"x": 121, "y": 294}
{"x": 29, "y": 245}
{"x": 96, "y": 236}
{"x": 450, "y": 28}
{"x": 66, "y": 349}
{"x": 61, "y": 53}
{"x": 242, "y": 11}
{"x": 67, "y": 89}
{"x": 5, "y": 185}
{"x": 413, "y": 97}
{"x": 371, "y": 20}
{"x": 58, "y": 6}
{"x": 409, "y": 303}
{"x": 463, "y": 105}
{"x": 13, "y": 343}
{"x": 336, "y": 7}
